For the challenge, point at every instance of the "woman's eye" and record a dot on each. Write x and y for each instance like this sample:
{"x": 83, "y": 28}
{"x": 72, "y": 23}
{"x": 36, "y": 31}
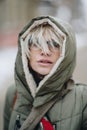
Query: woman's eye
{"x": 56, "y": 45}
{"x": 33, "y": 46}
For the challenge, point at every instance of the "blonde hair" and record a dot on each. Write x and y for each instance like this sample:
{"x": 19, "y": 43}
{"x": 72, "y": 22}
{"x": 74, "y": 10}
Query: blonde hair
{"x": 41, "y": 35}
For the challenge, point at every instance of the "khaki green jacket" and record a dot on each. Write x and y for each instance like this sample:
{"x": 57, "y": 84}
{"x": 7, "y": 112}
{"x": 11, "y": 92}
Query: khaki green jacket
{"x": 70, "y": 113}
{"x": 70, "y": 109}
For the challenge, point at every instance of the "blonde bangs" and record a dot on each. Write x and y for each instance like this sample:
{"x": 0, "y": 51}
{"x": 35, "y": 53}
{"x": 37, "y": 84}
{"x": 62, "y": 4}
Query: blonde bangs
{"x": 40, "y": 36}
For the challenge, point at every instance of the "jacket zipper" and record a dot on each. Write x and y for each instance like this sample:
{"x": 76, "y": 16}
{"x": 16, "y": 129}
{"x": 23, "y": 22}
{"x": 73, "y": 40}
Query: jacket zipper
{"x": 17, "y": 123}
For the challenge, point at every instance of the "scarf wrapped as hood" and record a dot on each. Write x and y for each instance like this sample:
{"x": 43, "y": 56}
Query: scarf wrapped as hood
{"x": 60, "y": 74}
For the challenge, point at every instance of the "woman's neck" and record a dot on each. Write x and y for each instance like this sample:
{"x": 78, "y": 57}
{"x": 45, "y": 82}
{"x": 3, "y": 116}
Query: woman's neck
{"x": 37, "y": 77}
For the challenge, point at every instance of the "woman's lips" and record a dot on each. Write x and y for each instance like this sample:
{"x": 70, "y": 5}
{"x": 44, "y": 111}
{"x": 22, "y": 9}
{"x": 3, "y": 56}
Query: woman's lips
{"x": 45, "y": 62}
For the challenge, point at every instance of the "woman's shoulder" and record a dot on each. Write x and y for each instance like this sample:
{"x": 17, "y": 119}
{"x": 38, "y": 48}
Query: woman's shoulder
{"x": 10, "y": 94}
{"x": 11, "y": 90}
{"x": 81, "y": 89}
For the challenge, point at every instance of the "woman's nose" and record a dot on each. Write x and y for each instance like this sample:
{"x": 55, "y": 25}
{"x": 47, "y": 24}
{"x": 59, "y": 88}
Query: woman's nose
{"x": 46, "y": 53}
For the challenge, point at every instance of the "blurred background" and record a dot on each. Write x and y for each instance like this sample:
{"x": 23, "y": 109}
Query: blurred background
{"x": 15, "y": 14}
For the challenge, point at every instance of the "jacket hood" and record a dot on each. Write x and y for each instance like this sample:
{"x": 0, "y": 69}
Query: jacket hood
{"x": 60, "y": 74}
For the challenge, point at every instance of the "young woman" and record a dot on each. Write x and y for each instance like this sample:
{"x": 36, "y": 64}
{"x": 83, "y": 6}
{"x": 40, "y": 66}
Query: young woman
{"x": 47, "y": 97}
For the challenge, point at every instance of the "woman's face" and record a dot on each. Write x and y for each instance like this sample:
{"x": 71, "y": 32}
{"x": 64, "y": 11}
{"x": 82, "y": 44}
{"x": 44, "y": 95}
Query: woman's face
{"x": 42, "y": 62}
